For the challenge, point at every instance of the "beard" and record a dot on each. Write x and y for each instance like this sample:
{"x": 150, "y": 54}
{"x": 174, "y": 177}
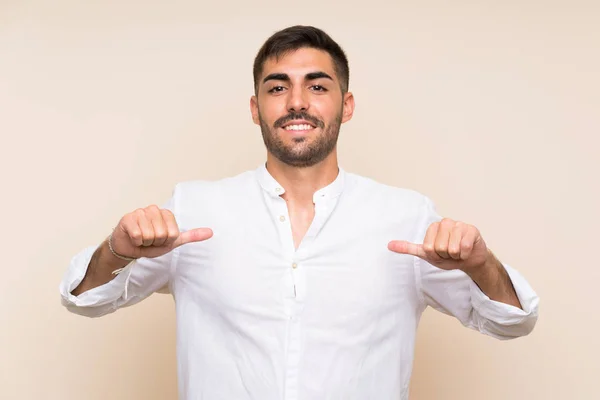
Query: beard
{"x": 302, "y": 153}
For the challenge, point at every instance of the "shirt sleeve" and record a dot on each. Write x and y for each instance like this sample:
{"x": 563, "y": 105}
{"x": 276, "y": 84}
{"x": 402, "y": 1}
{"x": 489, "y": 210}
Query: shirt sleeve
{"x": 455, "y": 293}
{"x": 138, "y": 280}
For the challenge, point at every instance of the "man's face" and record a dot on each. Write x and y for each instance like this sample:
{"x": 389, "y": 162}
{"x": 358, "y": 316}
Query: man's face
{"x": 300, "y": 107}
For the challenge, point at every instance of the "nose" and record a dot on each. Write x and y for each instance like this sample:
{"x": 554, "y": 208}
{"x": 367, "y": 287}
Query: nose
{"x": 297, "y": 100}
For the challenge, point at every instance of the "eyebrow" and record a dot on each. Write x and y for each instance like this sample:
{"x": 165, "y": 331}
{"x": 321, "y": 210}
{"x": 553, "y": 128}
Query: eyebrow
{"x": 285, "y": 77}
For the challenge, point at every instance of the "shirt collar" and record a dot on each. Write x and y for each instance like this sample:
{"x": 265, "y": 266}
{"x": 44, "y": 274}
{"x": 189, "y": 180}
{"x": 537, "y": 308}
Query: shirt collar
{"x": 273, "y": 188}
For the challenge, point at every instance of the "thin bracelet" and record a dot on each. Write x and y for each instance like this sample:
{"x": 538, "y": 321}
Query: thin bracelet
{"x": 115, "y": 253}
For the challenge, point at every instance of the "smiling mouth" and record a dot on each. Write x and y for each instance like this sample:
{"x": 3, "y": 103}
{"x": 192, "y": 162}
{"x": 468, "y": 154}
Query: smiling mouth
{"x": 298, "y": 127}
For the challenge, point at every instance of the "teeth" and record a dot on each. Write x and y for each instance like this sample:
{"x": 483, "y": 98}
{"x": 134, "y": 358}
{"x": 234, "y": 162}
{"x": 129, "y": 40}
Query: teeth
{"x": 303, "y": 127}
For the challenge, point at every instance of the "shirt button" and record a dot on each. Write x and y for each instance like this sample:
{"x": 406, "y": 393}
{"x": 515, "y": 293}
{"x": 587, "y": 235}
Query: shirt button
{"x": 294, "y": 265}
{"x": 278, "y": 189}
{"x": 281, "y": 218}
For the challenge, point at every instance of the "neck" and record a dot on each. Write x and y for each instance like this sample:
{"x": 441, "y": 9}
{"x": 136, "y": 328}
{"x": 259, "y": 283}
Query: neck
{"x": 300, "y": 184}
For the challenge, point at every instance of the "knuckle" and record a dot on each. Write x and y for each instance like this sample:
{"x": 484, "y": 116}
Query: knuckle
{"x": 135, "y": 233}
{"x": 136, "y": 237}
{"x": 173, "y": 231}
{"x": 428, "y": 247}
{"x": 160, "y": 233}
{"x": 152, "y": 208}
{"x": 167, "y": 214}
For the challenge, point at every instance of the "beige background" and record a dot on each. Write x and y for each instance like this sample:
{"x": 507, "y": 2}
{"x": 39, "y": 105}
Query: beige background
{"x": 489, "y": 108}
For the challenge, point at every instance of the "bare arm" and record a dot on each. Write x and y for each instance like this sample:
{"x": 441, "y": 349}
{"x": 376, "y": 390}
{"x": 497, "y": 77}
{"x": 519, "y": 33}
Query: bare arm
{"x": 493, "y": 280}
{"x": 100, "y": 269}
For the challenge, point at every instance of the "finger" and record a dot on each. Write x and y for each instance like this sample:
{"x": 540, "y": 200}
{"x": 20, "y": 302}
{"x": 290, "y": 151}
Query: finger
{"x": 172, "y": 228}
{"x": 429, "y": 241}
{"x": 158, "y": 224}
{"x": 454, "y": 243}
{"x": 132, "y": 229}
{"x": 193, "y": 235}
{"x": 145, "y": 227}
{"x": 468, "y": 242}
{"x": 442, "y": 238}
{"x": 404, "y": 247}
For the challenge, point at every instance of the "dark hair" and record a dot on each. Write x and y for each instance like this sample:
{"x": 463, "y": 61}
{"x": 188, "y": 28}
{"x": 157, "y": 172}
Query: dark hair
{"x": 297, "y": 37}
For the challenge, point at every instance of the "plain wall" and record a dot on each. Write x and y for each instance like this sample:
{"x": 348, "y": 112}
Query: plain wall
{"x": 489, "y": 108}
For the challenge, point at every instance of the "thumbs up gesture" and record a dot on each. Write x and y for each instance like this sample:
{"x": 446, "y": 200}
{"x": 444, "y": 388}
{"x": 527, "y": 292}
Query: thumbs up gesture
{"x": 448, "y": 245}
{"x": 152, "y": 232}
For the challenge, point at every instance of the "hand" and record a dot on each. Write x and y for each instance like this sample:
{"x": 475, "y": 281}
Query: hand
{"x": 448, "y": 245}
{"x": 151, "y": 232}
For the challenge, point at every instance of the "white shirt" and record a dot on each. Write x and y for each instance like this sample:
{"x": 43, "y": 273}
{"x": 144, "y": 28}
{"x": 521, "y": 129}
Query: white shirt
{"x": 334, "y": 319}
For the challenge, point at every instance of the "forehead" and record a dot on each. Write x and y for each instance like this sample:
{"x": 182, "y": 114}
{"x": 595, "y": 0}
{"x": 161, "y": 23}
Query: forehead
{"x": 300, "y": 62}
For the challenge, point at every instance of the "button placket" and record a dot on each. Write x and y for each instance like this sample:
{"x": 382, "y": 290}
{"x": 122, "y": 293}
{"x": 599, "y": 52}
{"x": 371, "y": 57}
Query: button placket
{"x": 294, "y": 262}
{"x": 280, "y": 211}
{"x": 293, "y": 303}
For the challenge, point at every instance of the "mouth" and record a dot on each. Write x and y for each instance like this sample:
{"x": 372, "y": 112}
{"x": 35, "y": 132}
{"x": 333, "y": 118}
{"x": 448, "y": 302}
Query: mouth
{"x": 298, "y": 127}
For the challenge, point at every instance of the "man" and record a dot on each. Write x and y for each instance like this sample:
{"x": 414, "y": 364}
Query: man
{"x": 299, "y": 280}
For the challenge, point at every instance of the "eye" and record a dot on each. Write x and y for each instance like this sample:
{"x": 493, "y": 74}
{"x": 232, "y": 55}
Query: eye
{"x": 318, "y": 88}
{"x": 276, "y": 89}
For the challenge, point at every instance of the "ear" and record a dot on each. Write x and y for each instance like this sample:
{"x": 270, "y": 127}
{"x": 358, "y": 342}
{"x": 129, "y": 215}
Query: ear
{"x": 348, "y": 108}
{"x": 254, "y": 109}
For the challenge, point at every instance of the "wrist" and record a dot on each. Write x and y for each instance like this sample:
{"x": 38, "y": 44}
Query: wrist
{"x": 486, "y": 270}
{"x": 108, "y": 258}
{"x": 114, "y": 253}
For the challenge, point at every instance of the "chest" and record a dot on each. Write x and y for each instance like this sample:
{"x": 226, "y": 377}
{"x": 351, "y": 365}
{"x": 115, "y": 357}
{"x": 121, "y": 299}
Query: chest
{"x": 333, "y": 271}
{"x": 301, "y": 219}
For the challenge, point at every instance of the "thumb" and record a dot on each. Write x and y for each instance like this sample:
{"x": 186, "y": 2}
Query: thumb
{"x": 404, "y": 247}
{"x": 193, "y": 235}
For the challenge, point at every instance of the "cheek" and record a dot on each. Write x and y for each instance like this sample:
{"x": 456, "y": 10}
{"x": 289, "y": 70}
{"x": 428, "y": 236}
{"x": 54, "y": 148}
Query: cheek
{"x": 326, "y": 108}
{"x": 270, "y": 111}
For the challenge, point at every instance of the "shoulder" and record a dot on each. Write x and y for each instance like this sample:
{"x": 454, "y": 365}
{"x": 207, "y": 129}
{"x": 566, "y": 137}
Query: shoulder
{"x": 399, "y": 209}
{"x": 201, "y": 202}
{"x": 370, "y": 190}
{"x": 227, "y": 186}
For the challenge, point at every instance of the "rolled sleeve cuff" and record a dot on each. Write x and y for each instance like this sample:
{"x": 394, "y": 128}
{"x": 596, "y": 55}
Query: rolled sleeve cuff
{"x": 506, "y": 314}
{"x": 98, "y": 296}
